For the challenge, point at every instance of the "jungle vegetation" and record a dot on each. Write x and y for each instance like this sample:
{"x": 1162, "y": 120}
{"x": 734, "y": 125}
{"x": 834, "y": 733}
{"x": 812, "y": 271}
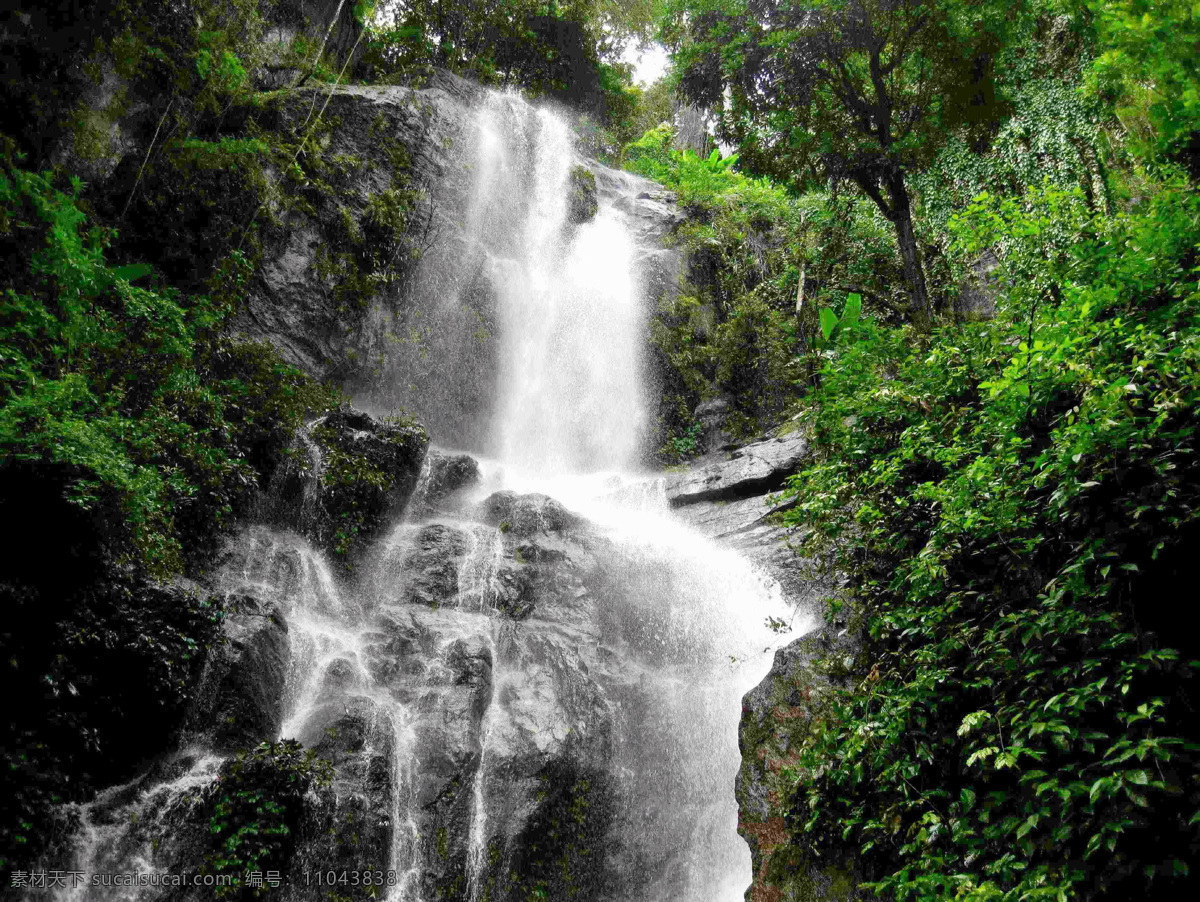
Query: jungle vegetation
{"x": 956, "y": 242}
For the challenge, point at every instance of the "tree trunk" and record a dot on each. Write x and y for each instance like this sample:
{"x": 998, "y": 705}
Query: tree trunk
{"x": 901, "y": 216}
{"x": 898, "y": 209}
{"x": 800, "y": 337}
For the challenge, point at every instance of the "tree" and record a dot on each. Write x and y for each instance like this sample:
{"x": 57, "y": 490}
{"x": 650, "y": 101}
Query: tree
{"x": 866, "y": 90}
{"x": 1150, "y": 72}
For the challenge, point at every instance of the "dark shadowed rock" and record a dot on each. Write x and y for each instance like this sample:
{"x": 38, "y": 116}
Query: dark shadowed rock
{"x": 349, "y": 824}
{"x": 713, "y": 418}
{"x": 313, "y": 21}
{"x": 240, "y": 702}
{"x": 445, "y": 475}
{"x": 750, "y": 470}
{"x": 428, "y": 575}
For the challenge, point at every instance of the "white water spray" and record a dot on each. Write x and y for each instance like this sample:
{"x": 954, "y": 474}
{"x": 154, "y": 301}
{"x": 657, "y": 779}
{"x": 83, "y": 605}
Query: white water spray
{"x": 571, "y": 321}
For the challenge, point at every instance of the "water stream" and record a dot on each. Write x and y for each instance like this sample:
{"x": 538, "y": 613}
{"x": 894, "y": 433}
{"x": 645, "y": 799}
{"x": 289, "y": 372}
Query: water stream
{"x": 538, "y": 684}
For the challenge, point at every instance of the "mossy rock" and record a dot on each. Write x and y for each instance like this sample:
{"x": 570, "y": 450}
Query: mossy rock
{"x": 348, "y": 476}
{"x": 777, "y": 716}
{"x": 582, "y": 202}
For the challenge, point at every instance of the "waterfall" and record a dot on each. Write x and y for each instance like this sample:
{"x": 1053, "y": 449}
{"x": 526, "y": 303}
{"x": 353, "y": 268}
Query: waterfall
{"x": 571, "y": 420}
{"x": 571, "y": 318}
{"x": 533, "y": 692}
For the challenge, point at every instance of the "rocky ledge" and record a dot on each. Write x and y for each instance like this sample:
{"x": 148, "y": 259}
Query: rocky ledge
{"x": 734, "y": 500}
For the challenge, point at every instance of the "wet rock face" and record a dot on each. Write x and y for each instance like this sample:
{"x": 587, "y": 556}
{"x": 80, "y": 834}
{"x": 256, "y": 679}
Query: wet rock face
{"x": 488, "y": 637}
{"x": 652, "y": 210}
{"x": 240, "y": 700}
{"x": 526, "y": 514}
{"x": 449, "y": 473}
{"x": 314, "y": 20}
{"x": 776, "y": 716}
{"x": 487, "y": 688}
{"x": 429, "y": 574}
{"x": 348, "y": 825}
{"x": 582, "y": 204}
{"x": 732, "y": 500}
{"x": 713, "y": 417}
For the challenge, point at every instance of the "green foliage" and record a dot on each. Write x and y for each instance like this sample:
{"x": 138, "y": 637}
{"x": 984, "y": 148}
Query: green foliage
{"x": 184, "y": 68}
{"x": 1148, "y": 71}
{"x": 565, "y": 51}
{"x": 129, "y": 392}
{"x": 855, "y": 85}
{"x": 257, "y": 805}
{"x": 833, "y": 326}
{"x": 1010, "y": 500}
{"x": 630, "y": 115}
{"x": 1051, "y": 134}
{"x": 864, "y": 90}
{"x": 736, "y": 328}
{"x": 687, "y": 445}
{"x": 731, "y": 330}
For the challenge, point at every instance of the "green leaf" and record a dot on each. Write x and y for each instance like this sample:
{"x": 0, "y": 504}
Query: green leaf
{"x": 967, "y": 799}
{"x": 829, "y": 322}
{"x": 132, "y": 271}
{"x": 852, "y": 311}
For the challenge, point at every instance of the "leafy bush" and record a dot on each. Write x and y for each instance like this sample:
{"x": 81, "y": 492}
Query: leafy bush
{"x": 1148, "y": 73}
{"x": 1011, "y": 500}
{"x": 257, "y": 806}
{"x": 150, "y": 418}
{"x": 748, "y": 243}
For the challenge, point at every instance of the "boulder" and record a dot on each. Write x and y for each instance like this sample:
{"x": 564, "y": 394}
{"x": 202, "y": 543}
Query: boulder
{"x": 445, "y": 475}
{"x": 348, "y": 475}
{"x": 428, "y": 573}
{"x": 526, "y": 514}
{"x": 651, "y": 211}
{"x": 348, "y": 825}
{"x": 240, "y": 700}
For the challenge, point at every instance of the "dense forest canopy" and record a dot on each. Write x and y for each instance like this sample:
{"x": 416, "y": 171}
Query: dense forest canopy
{"x": 957, "y": 242}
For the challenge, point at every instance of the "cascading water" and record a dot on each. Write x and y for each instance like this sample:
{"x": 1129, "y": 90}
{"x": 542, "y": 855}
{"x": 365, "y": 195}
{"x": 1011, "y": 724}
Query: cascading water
{"x": 547, "y": 692}
{"x": 570, "y": 423}
{"x": 571, "y": 396}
